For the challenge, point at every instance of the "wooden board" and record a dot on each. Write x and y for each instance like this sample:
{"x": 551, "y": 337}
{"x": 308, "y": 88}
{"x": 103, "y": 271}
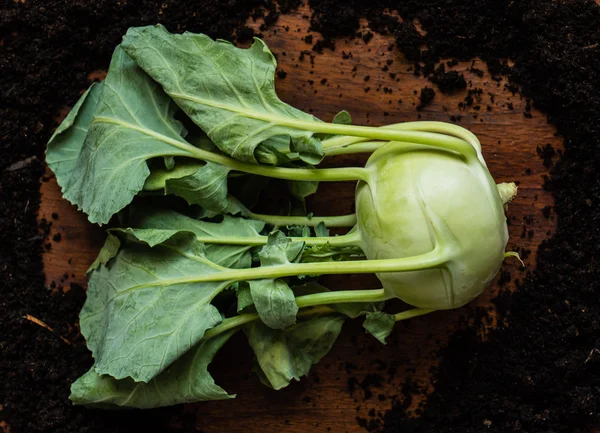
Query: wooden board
{"x": 324, "y": 84}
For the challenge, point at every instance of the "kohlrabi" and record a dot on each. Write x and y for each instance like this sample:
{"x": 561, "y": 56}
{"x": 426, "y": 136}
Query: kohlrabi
{"x": 183, "y": 115}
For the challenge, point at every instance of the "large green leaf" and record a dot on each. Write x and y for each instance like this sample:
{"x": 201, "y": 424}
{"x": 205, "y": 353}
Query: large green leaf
{"x": 289, "y": 354}
{"x": 132, "y": 123}
{"x": 231, "y": 256}
{"x": 139, "y": 316}
{"x": 67, "y": 141}
{"x": 186, "y": 381}
{"x": 229, "y": 92}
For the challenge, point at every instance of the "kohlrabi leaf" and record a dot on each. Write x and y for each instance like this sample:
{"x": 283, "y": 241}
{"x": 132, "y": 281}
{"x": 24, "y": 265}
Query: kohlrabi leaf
{"x": 231, "y": 256}
{"x": 67, "y": 141}
{"x": 273, "y": 299}
{"x": 203, "y": 184}
{"x": 321, "y": 230}
{"x": 157, "y": 180}
{"x": 289, "y": 354}
{"x": 357, "y": 309}
{"x": 379, "y": 325}
{"x": 280, "y": 250}
{"x": 342, "y": 118}
{"x": 298, "y": 231}
{"x": 229, "y": 92}
{"x": 133, "y": 122}
{"x": 274, "y": 302}
{"x": 141, "y": 314}
{"x": 244, "y": 298}
{"x": 274, "y": 151}
{"x": 109, "y": 250}
{"x": 206, "y": 187}
{"x": 186, "y": 380}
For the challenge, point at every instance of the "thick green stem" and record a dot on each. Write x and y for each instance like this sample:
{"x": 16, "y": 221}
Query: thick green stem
{"x": 343, "y": 296}
{"x": 430, "y": 260}
{"x": 350, "y": 239}
{"x": 282, "y": 221}
{"x": 422, "y": 126}
{"x": 411, "y": 313}
{"x": 230, "y": 323}
{"x": 242, "y": 319}
{"x": 347, "y": 149}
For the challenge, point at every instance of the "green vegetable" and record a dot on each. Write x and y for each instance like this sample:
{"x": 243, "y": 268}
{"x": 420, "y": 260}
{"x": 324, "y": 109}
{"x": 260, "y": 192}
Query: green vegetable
{"x": 186, "y": 116}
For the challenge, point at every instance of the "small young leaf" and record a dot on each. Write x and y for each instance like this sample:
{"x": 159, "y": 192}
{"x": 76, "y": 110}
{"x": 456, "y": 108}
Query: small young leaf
{"x": 274, "y": 302}
{"x": 280, "y": 250}
{"x": 186, "y": 381}
{"x": 379, "y": 325}
{"x": 321, "y": 230}
{"x": 109, "y": 250}
{"x": 244, "y": 298}
{"x": 298, "y": 231}
{"x": 342, "y": 118}
{"x": 289, "y": 354}
{"x": 229, "y": 92}
{"x": 274, "y": 151}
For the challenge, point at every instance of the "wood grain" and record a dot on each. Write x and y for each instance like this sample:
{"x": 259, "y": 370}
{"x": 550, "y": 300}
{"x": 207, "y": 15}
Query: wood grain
{"x": 324, "y": 84}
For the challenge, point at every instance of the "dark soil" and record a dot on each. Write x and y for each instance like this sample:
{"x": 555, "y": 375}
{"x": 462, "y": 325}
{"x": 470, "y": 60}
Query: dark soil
{"x": 47, "y": 49}
{"x": 541, "y": 373}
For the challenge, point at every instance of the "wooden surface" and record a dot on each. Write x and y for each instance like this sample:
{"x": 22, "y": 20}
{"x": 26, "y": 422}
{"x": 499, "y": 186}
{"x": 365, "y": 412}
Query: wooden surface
{"x": 322, "y": 401}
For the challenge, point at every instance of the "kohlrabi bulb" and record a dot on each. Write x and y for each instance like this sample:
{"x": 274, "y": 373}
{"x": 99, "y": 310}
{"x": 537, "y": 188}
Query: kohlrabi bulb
{"x": 418, "y": 200}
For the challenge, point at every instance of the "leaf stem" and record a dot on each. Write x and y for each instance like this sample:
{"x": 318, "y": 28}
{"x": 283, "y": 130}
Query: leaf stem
{"x": 356, "y": 147}
{"x": 408, "y": 314}
{"x": 419, "y": 126}
{"x": 343, "y": 296}
{"x": 352, "y": 238}
{"x": 329, "y": 221}
{"x": 318, "y": 308}
{"x": 433, "y": 259}
{"x": 242, "y": 319}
